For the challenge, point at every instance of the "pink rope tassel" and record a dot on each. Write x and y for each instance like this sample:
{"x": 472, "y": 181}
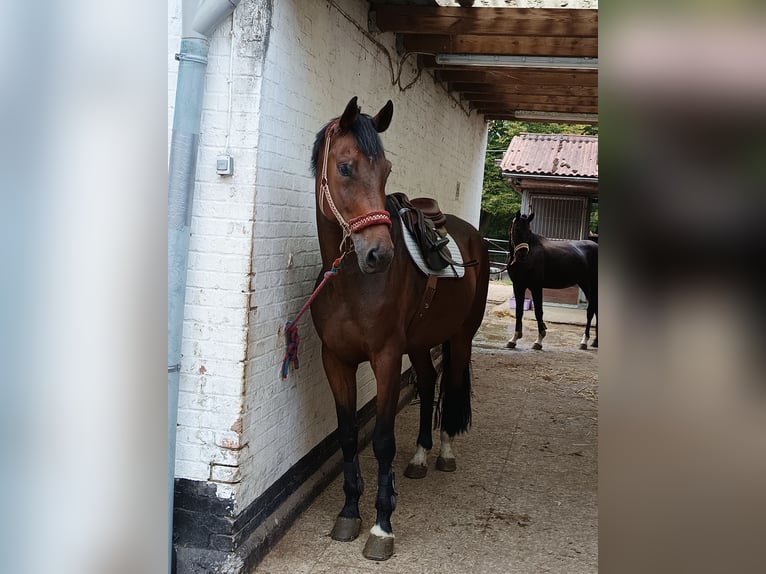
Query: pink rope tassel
{"x": 291, "y": 356}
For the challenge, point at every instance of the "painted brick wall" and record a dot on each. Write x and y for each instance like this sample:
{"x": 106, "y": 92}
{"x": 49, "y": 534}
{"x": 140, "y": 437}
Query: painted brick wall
{"x": 316, "y": 61}
{"x": 253, "y": 253}
{"x": 209, "y": 437}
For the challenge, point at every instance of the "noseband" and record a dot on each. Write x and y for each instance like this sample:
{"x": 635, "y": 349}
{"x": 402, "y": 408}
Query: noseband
{"x": 520, "y": 246}
{"x": 355, "y": 224}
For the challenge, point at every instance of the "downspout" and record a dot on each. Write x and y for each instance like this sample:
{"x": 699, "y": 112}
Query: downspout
{"x": 199, "y": 20}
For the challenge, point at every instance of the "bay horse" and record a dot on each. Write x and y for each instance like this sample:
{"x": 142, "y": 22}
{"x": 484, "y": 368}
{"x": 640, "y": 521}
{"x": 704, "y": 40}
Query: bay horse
{"x": 375, "y": 309}
{"x": 537, "y": 262}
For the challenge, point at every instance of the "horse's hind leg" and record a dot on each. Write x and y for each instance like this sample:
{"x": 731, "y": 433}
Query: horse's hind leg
{"x": 454, "y": 398}
{"x": 537, "y": 300}
{"x": 589, "y": 318}
{"x": 589, "y": 315}
{"x": 426, "y": 380}
{"x": 342, "y": 378}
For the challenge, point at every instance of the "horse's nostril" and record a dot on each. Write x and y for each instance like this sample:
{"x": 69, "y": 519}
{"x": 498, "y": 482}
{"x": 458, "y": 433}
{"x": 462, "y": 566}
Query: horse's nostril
{"x": 373, "y": 257}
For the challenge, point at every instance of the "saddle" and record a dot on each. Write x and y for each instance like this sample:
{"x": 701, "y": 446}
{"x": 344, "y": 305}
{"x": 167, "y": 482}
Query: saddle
{"x": 425, "y": 221}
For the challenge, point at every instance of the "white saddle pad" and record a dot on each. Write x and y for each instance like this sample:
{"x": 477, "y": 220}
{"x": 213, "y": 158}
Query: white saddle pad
{"x": 449, "y": 271}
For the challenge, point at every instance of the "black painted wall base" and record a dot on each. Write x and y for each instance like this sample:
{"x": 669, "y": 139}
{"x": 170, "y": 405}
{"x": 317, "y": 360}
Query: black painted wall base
{"x": 209, "y": 538}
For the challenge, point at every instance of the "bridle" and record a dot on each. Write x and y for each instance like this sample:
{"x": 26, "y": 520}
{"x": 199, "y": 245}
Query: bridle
{"x": 355, "y": 224}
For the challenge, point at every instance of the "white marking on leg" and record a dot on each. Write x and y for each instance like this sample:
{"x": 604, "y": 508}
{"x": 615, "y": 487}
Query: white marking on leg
{"x": 516, "y": 337}
{"x": 446, "y": 446}
{"x": 540, "y": 337}
{"x": 584, "y": 340}
{"x": 378, "y": 531}
{"x": 420, "y": 458}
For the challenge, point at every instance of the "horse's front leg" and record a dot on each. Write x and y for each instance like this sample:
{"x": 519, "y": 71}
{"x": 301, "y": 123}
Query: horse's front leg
{"x": 387, "y": 368}
{"x": 518, "y": 293}
{"x": 342, "y": 377}
{"x": 537, "y": 300}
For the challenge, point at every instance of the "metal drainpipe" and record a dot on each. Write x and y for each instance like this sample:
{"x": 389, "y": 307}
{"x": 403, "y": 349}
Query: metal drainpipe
{"x": 199, "y": 19}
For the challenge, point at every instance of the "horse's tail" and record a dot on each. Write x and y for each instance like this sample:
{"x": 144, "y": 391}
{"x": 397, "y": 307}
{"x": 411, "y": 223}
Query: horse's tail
{"x": 453, "y": 410}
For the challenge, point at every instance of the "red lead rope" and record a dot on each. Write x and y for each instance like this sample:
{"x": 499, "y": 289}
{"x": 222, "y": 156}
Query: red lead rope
{"x": 291, "y": 327}
{"x": 353, "y": 226}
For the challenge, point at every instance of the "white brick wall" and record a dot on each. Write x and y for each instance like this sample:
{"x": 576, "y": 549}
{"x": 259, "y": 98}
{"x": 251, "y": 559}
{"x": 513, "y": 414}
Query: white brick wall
{"x": 240, "y": 425}
{"x": 218, "y": 284}
{"x": 317, "y": 60}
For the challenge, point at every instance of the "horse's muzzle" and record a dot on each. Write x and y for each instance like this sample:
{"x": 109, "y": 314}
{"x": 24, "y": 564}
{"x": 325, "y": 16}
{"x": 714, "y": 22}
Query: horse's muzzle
{"x": 374, "y": 256}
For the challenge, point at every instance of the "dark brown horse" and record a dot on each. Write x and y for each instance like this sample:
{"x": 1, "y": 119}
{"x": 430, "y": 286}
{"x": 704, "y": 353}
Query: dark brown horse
{"x": 374, "y": 310}
{"x": 536, "y": 262}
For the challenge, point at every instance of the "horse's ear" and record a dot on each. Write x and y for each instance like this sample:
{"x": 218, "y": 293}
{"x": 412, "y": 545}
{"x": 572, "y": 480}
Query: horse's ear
{"x": 531, "y": 217}
{"x": 383, "y": 118}
{"x": 348, "y": 118}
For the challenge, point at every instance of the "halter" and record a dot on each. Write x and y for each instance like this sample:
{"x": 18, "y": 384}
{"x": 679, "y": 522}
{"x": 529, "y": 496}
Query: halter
{"x": 355, "y": 224}
{"x": 521, "y": 246}
{"x": 517, "y": 247}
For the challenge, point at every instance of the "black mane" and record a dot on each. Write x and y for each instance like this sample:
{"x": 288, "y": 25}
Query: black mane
{"x": 365, "y": 134}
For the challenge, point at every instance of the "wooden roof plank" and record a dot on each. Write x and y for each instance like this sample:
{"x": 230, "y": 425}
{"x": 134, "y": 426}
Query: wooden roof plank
{"x": 529, "y": 99}
{"x": 495, "y": 21}
{"x": 531, "y": 76}
{"x": 502, "y": 45}
{"x": 511, "y": 117}
{"x": 506, "y": 88}
{"x": 502, "y": 108}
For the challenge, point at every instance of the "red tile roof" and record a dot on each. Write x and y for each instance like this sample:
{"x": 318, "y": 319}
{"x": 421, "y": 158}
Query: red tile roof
{"x": 552, "y": 154}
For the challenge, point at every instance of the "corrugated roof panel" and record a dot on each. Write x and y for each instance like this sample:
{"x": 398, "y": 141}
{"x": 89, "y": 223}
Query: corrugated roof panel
{"x": 552, "y": 154}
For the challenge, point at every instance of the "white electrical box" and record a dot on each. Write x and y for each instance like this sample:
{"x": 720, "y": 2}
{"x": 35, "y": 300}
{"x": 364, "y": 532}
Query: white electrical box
{"x": 224, "y": 165}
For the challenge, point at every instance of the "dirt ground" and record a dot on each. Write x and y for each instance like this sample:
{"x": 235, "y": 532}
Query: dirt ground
{"x": 524, "y": 496}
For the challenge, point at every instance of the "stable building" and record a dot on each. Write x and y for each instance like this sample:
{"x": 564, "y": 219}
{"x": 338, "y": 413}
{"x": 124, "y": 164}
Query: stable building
{"x": 250, "y": 83}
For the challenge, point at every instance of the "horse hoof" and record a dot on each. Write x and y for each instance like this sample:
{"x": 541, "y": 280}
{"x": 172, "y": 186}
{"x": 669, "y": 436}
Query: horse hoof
{"x": 510, "y": 345}
{"x": 346, "y": 529}
{"x": 416, "y": 471}
{"x": 595, "y": 344}
{"x": 446, "y": 464}
{"x": 379, "y": 548}
{"x": 537, "y": 347}
{"x": 583, "y": 346}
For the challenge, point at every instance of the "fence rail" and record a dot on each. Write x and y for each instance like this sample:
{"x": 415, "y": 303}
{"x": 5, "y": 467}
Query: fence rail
{"x": 498, "y": 257}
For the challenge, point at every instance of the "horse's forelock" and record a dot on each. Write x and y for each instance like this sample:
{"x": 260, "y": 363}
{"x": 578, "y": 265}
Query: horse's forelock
{"x": 365, "y": 134}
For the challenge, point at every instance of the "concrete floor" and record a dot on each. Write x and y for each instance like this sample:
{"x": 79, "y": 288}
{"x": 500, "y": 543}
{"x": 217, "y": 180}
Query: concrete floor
{"x": 524, "y": 496}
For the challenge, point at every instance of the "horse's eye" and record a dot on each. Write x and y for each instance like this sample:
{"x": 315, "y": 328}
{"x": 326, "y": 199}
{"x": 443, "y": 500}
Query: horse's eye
{"x": 344, "y": 169}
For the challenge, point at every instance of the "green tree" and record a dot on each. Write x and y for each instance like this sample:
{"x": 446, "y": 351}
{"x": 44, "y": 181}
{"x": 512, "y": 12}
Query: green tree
{"x": 499, "y": 202}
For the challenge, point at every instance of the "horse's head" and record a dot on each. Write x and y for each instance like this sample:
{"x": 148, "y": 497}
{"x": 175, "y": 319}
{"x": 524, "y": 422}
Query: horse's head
{"x": 351, "y": 188}
{"x": 520, "y": 236}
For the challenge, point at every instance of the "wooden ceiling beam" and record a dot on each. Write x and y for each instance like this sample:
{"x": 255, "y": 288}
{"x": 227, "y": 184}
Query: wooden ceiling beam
{"x": 517, "y": 100}
{"x": 501, "y": 45}
{"x": 509, "y": 89}
{"x": 531, "y": 76}
{"x": 510, "y": 117}
{"x": 494, "y": 21}
{"x": 484, "y": 108}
